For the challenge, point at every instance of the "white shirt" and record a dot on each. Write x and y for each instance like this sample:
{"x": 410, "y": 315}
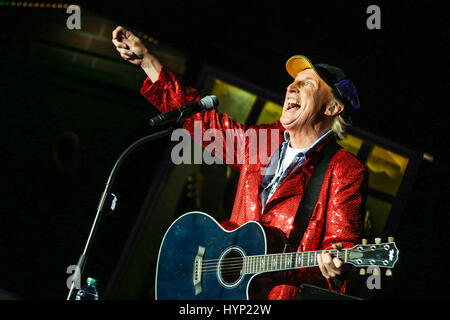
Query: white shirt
{"x": 288, "y": 158}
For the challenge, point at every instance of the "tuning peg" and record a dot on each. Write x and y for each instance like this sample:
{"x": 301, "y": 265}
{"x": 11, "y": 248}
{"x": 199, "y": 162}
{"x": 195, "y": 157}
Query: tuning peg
{"x": 391, "y": 239}
{"x": 364, "y": 241}
{"x": 377, "y": 240}
{"x": 375, "y": 271}
{"x": 388, "y": 272}
{"x": 362, "y": 271}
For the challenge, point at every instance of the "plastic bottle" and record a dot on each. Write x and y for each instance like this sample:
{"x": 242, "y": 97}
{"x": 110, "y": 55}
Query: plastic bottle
{"x": 88, "y": 291}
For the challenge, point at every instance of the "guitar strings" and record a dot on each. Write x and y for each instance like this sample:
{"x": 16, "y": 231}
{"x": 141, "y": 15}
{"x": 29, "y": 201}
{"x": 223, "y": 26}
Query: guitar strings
{"x": 229, "y": 269}
{"x": 237, "y": 263}
{"x": 268, "y": 261}
{"x": 232, "y": 268}
{"x": 304, "y": 253}
{"x": 240, "y": 262}
{"x": 270, "y": 257}
{"x": 337, "y": 253}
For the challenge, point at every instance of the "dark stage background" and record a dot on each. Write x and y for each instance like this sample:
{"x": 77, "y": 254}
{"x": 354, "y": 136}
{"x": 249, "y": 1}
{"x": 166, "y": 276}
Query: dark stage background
{"x": 63, "y": 126}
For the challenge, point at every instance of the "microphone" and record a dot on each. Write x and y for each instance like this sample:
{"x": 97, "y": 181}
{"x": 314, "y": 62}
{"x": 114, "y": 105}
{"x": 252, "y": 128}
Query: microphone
{"x": 179, "y": 114}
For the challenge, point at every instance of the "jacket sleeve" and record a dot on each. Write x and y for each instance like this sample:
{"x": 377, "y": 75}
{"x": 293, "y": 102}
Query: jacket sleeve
{"x": 345, "y": 207}
{"x": 343, "y": 224}
{"x": 345, "y": 211}
{"x": 209, "y": 128}
{"x": 167, "y": 93}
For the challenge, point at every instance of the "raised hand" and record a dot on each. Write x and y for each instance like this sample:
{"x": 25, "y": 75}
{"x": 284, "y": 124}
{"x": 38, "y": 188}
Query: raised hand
{"x": 134, "y": 51}
{"x": 128, "y": 45}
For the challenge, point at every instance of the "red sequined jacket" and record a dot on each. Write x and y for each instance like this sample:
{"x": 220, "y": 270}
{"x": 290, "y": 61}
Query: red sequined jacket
{"x": 337, "y": 215}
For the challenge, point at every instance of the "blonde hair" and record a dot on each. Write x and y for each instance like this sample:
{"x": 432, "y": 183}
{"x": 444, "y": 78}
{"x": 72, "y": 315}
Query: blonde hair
{"x": 339, "y": 125}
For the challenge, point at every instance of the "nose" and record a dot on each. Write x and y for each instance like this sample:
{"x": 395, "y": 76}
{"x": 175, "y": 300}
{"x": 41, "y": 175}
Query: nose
{"x": 291, "y": 88}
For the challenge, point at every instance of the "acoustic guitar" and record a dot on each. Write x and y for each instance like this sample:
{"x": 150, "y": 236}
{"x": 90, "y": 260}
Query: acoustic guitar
{"x": 199, "y": 260}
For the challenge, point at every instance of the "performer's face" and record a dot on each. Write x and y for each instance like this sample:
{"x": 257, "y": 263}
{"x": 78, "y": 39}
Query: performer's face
{"x": 304, "y": 101}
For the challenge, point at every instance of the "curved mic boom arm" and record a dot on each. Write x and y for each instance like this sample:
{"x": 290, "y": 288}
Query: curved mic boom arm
{"x": 82, "y": 260}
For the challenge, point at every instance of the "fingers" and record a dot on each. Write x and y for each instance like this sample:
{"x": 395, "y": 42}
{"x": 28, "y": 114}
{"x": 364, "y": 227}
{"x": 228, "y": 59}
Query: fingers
{"x": 329, "y": 263}
{"x": 338, "y": 264}
{"x": 329, "y": 267}
{"x": 124, "y": 51}
{"x": 118, "y": 33}
{"x": 130, "y": 57}
{"x": 128, "y": 45}
{"x": 126, "y": 55}
{"x": 117, "y": 37}
{"x": 122, "y": 36}
{"x": 119, "y": 44}
{"x": 322, "y": 267}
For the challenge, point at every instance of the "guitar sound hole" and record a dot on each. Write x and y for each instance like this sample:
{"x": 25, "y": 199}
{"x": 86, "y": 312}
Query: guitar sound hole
{"x": 231, "y": 266}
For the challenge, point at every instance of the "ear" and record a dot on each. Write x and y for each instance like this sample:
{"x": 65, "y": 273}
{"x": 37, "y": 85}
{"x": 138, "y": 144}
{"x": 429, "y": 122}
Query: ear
{"x": 333, "y": 108}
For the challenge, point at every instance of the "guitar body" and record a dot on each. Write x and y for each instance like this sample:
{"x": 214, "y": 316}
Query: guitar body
{"x": 195, "y": 240}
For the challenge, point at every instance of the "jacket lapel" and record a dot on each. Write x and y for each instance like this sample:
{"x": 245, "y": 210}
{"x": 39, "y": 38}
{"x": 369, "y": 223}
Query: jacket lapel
{"x": 294, "y": 184}
{"x": 291, "y": 186}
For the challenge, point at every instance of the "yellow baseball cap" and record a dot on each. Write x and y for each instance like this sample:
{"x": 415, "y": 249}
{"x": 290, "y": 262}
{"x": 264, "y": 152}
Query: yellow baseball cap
{"x": 298, "y": 63}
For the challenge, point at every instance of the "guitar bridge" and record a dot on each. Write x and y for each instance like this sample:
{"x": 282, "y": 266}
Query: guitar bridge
{"x": 197, "y": 274}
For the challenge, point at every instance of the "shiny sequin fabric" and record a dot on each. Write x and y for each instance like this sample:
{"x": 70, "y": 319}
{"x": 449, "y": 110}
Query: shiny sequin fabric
{"x": 337, "y": 215}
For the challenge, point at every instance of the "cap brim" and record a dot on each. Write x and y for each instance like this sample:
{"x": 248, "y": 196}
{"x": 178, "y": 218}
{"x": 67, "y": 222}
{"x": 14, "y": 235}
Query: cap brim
{"x": 296, "y": 64}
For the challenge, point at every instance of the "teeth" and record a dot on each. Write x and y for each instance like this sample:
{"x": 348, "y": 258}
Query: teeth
{"x": 292, "y": 102}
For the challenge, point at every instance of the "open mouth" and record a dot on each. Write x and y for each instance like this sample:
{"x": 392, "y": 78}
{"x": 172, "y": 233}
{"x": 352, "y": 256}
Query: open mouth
{"x": 293, "y": 105}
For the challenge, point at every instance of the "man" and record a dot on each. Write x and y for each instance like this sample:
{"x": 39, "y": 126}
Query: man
{"x": 311, "y": 118}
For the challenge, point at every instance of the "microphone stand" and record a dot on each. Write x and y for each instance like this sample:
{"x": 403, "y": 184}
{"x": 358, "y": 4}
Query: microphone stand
{"x": 82, "y": 260}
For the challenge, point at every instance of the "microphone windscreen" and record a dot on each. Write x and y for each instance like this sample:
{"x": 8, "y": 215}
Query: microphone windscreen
{"x": 209, "y": 102}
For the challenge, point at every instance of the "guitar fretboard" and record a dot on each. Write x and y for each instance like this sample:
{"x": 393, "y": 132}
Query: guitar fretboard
{"x": 285, "y": 261}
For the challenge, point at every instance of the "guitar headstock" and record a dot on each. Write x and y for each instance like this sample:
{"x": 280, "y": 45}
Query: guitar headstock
{"x": 377, "y": 254}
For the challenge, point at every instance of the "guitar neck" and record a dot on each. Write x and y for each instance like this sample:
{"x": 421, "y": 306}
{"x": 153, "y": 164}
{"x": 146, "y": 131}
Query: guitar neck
{"x": 286, "y": 261}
